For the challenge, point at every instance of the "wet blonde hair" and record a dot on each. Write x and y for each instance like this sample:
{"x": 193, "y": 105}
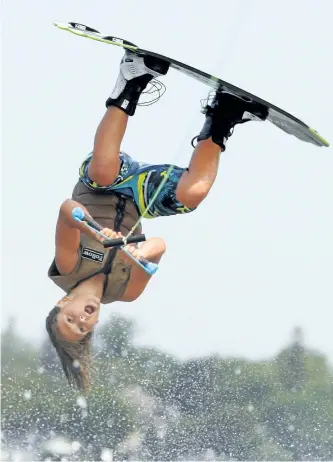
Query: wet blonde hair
{"x": 75, "y": 357}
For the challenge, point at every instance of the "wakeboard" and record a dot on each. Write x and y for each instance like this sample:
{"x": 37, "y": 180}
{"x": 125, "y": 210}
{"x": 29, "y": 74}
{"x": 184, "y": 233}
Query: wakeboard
{"x": 277, "y": 116}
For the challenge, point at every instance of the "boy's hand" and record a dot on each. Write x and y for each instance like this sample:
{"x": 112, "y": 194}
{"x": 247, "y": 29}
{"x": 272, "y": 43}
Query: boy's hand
{"x": 131, "y": 248}
{"x": 109, "y": 233}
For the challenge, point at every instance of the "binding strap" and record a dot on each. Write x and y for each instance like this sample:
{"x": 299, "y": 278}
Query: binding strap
{"x": 120, "y": 213}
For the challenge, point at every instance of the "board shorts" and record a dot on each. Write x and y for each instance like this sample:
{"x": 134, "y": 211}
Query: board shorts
{"x": 140, "y": 181}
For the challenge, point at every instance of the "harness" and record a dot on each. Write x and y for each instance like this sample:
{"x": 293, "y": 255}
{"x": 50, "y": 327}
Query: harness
{"x": 120, "y": 212}
{"x": 106, "y": 270}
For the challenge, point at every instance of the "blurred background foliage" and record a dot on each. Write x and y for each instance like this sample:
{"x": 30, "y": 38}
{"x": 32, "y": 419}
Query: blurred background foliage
{"x": 148, "y": 405}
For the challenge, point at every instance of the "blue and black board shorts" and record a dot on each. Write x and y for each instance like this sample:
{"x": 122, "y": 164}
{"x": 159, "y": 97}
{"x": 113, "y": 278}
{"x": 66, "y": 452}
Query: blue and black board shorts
{"x": 140, "y": 181}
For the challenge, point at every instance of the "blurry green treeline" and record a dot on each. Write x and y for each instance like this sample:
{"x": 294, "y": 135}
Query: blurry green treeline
{"x": 148, "y": 405}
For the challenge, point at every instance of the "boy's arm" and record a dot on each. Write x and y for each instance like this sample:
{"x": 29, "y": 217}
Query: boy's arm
{"x": 68, "y": 236}
{"x": 153, "y": 250}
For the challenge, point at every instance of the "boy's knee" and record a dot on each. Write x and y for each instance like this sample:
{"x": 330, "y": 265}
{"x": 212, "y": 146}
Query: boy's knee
{"x": 103, "y": 172}
{"x": 193, "y": 195}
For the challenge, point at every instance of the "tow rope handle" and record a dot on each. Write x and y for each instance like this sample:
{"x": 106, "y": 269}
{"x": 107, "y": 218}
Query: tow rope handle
{"x": 149, "y": 267}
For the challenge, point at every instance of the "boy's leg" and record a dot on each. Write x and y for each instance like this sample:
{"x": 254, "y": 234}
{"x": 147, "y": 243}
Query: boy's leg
{"x": 196, "y": 182}
{"x": 135, "y": 73}
{"x": 224, "y": 113}
{"x": 105, "y": 163}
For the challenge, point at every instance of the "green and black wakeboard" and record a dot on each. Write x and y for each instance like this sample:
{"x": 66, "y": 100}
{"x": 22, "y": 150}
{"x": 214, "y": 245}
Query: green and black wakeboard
{"x": 280, "y": 118}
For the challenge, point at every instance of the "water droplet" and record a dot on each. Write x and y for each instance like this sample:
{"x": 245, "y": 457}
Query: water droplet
{"x": 27, "y": 395}
{"x": 82, "y": 402}
{"x": 106, "y": 455}
{"x": 124, "y": 353}
{"x": 76, "y": 446}
{"x": 109, "y": 422}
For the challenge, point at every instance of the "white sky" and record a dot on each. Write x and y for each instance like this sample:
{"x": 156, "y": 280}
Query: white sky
{"x": 266, "y": 264}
